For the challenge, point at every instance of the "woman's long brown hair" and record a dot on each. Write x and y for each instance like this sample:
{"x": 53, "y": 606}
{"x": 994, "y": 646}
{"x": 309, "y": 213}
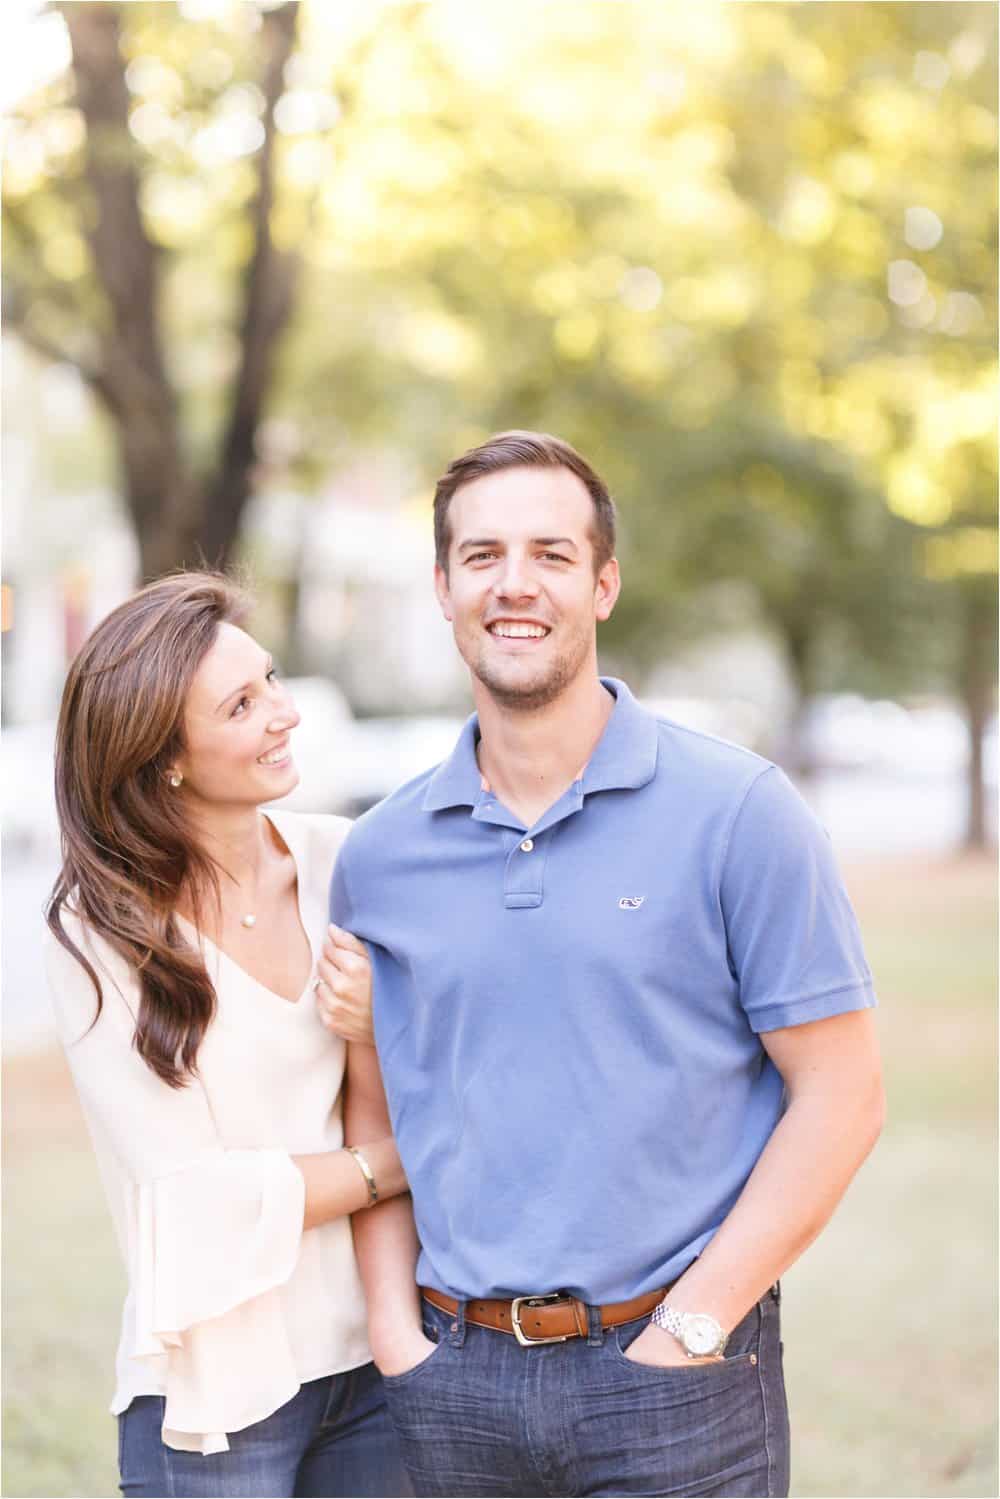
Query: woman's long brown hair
{"x": 127, "y": 848}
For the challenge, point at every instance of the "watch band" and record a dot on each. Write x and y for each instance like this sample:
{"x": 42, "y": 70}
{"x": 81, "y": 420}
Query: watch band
{"x": 664, "y": 1316}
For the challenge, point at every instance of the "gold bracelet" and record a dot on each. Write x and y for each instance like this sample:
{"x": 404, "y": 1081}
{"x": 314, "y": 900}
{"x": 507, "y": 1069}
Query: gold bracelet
{"x": 366, "y": 1172}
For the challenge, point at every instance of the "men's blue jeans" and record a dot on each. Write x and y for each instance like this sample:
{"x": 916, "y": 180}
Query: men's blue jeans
{"x": 333, "y": 1438}
{"x": 482, "y": 1415}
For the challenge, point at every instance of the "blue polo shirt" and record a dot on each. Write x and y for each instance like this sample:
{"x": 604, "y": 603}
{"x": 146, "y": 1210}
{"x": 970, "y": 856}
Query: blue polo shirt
{"x": 567, "y": 1016}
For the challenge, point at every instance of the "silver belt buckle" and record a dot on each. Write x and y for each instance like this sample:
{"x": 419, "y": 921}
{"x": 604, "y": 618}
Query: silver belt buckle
{"x": 515, "y": 1317}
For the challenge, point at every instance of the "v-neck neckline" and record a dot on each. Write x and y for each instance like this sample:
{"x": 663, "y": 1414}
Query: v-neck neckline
{"x": 245, "y": 972}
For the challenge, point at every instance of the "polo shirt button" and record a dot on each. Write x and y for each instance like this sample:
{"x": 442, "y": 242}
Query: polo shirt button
{"x": 527, "y": 845}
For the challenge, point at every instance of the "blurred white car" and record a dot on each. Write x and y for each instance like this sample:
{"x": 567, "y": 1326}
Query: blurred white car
{"x": 735, "y": 719}
{"x": 388, "y": 752}
{"x": 322, "y": 746}
{"x": 842, "y": 731}
{"x": 27, "y": 790}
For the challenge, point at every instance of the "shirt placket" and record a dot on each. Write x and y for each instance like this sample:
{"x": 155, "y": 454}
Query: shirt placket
{"x": 526, "y": 850}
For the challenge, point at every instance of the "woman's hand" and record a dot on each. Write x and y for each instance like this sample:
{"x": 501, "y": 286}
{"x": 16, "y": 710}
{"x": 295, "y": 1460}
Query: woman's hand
{"x": 344, "y": 987}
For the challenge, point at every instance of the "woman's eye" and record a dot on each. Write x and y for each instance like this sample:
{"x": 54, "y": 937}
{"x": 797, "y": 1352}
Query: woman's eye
{"x": 247, "y": 702}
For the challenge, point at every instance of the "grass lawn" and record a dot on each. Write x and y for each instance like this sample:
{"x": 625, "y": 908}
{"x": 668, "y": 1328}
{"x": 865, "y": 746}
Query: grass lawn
{"x": 889, "y": 1320}
{"x": 891, "y": 1316}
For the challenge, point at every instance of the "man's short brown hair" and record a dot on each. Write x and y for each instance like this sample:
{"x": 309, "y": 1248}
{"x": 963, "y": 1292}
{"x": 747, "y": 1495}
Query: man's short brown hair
{"x": 518, "y": 449}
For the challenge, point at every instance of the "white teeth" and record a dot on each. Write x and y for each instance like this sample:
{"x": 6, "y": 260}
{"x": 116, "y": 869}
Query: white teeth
{"x": 515, "y": 630}
{"x": 273, "y": 756}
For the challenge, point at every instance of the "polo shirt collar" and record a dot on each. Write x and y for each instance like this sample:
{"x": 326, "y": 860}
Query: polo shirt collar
{"x": 624, "y": 757}
{"x": 456, "y": 782}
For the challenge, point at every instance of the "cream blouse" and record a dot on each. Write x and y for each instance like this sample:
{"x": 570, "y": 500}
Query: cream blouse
{"x": 231, "y": 1306}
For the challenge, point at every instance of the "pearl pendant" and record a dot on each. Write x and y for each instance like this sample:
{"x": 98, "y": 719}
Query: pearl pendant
{"x": 248, "y": 920}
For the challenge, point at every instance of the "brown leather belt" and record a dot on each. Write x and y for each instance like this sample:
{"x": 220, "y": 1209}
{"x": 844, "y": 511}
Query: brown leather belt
{"x": 544, "y": 1319}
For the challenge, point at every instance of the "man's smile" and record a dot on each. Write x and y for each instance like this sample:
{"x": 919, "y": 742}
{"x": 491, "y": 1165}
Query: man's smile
{"x": 517, "y": 629}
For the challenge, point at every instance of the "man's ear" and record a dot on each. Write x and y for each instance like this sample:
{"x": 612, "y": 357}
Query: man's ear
{"x": 441, "y": 589}
{"x": 607, "y": 589}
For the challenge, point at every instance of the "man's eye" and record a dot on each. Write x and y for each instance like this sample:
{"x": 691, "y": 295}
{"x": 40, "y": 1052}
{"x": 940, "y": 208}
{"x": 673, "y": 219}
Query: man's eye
{"x": 554, "y": 557}
{"x": 480, "y": 556}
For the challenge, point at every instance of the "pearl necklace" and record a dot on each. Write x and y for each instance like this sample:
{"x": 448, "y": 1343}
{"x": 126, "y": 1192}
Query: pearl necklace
{"x": 249, "y": 918}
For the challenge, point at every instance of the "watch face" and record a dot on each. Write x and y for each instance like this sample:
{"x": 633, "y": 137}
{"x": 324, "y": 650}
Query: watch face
{"x": 701, "y": 1334}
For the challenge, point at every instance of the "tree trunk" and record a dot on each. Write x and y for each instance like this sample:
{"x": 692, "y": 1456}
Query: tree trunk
{"x": 179, "y": 520}
{"x": 134, "y": 385}
{"x": 171, "y": 539}
{"x": 268, "y": 298}
{"x": 792, "y": 753}
{"x": 978, "y": 655}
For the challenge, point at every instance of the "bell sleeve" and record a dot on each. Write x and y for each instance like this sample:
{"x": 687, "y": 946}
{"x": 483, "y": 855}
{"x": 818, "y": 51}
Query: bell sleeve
{"x": 212, "y": 1233}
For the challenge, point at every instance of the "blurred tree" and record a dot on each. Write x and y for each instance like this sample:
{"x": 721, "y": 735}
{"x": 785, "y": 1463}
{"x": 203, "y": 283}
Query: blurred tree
{"x": 760, "y": 290}
{"x": 743, "y": 255}
{"x": 103, "y": 313}
{"x": 776, "y": 333}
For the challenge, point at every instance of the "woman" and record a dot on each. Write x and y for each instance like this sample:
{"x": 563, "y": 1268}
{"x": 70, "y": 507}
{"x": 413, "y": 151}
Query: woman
{"x": 183, "y": 952}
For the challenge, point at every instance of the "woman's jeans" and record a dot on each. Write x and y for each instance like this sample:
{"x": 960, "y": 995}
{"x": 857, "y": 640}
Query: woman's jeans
{"x": 482, "y": 1415}
{"x": 333, "y": 1438}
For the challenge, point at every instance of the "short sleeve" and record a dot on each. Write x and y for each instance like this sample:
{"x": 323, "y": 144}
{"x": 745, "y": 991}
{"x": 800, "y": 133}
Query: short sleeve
{"x": 341, "y": 909}
{"x": 793, "y": 939}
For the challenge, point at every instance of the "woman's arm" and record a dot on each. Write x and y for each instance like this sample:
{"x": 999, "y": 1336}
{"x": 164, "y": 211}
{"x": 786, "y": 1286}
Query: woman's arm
{"x": 336, "y": 1185}
{"x": 157, "y": 1132}
{"x": 344, "y": 1002}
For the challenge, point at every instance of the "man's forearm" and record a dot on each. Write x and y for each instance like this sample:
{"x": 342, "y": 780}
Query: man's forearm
{"x": 385, "y": 1241}
{"x": 789, "y": 1196}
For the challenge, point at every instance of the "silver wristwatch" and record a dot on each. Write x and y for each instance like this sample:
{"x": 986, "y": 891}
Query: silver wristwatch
{"x": 698, "y": 1334}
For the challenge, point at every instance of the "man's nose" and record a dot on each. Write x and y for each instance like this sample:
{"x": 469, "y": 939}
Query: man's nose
{"x": 516, "y": 579}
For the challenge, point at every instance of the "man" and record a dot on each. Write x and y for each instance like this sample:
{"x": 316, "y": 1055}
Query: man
{"x": 623, "y": 1019}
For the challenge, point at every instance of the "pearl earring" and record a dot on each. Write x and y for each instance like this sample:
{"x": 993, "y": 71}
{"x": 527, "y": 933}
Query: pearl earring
{"x": 176, "y": 779}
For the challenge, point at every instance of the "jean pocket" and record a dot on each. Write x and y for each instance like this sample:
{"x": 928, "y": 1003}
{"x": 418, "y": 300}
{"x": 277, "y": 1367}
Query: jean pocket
{"x": 394, "y": 1381}
{"x": 741, "y": 1351}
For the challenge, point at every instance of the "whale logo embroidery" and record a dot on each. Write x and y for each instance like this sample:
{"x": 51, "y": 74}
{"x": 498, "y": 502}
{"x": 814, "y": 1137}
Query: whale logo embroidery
{"x": 630, "y": 902}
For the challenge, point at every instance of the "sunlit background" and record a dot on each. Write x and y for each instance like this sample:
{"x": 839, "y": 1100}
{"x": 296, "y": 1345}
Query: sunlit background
{"x": 267, "y": 268}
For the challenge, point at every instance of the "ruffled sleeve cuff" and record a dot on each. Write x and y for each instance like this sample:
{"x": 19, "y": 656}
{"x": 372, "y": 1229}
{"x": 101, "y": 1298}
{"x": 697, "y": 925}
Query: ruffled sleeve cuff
{"x": 215, "y": 1242}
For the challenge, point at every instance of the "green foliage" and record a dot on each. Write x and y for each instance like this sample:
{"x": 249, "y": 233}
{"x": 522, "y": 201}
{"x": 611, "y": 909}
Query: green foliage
{"x": 745, "y": 260}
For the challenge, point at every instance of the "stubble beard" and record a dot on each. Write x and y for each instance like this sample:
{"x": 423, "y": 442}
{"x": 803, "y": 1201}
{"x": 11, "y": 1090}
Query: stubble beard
{"x": 531, "y": 692}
